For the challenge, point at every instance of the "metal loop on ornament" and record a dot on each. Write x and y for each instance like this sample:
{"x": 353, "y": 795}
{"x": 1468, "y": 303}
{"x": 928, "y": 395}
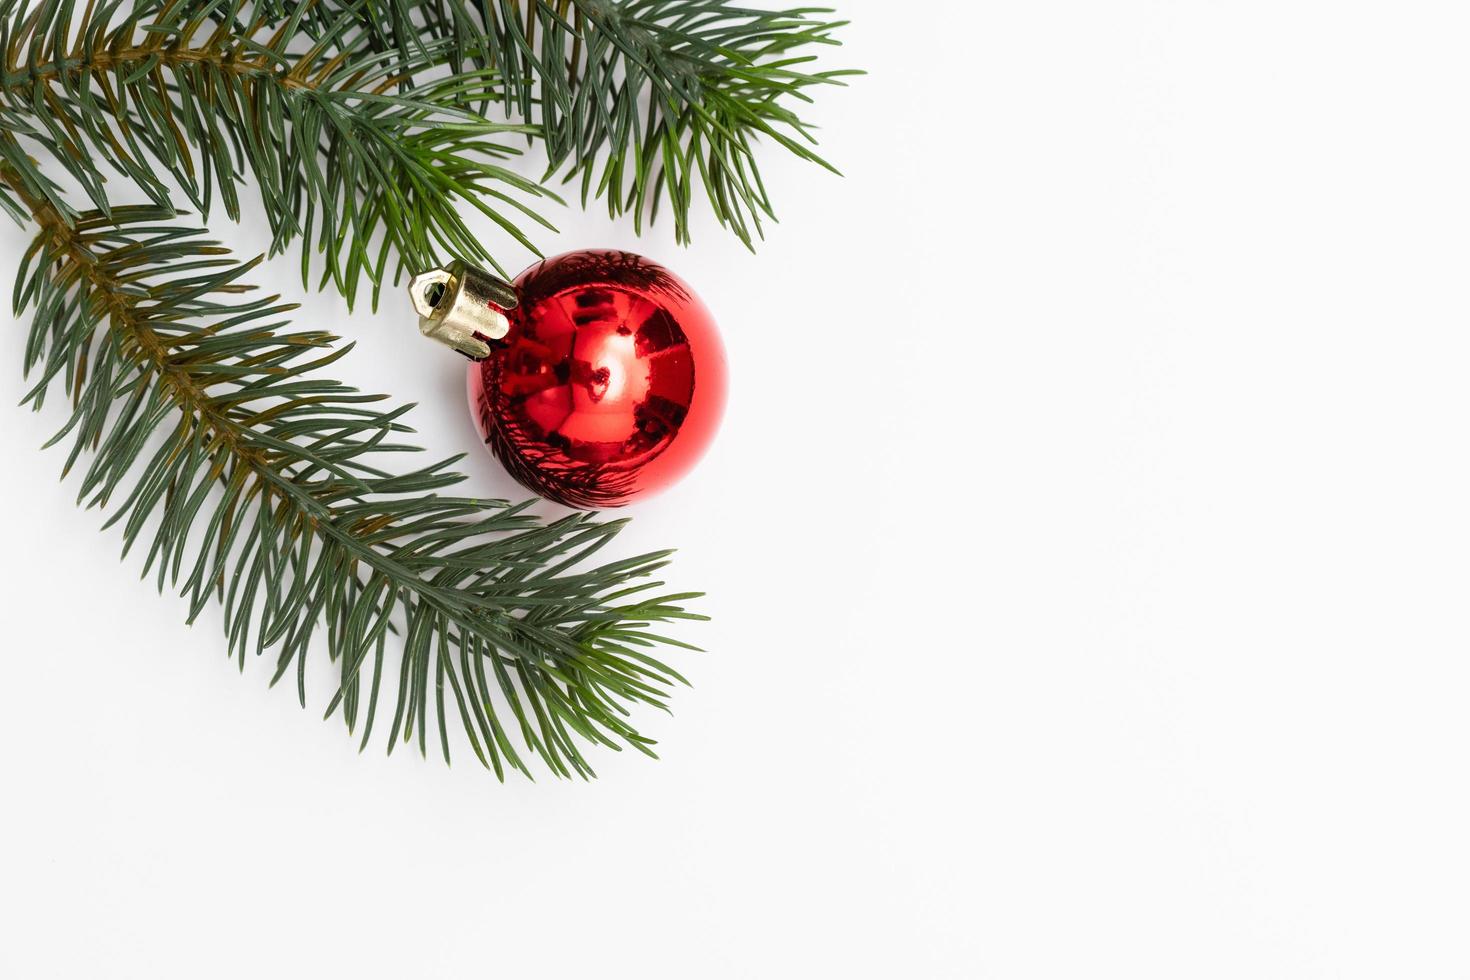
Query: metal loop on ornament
{"x": 462, "y": 307}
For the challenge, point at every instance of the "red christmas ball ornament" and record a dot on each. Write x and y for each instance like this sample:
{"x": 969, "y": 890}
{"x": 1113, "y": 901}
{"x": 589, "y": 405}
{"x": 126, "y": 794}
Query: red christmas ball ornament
{"x": 609, "y": 380}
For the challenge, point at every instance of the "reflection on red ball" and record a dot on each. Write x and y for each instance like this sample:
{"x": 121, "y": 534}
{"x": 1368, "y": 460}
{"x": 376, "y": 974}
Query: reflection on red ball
{"x": 610, "y": 384}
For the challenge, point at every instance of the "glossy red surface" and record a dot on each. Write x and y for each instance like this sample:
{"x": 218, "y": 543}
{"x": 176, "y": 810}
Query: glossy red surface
{"x": 610, "y": 384}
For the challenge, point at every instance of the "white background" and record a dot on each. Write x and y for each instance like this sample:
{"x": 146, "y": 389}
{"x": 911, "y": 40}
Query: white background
{"x": 1087, "y": 543}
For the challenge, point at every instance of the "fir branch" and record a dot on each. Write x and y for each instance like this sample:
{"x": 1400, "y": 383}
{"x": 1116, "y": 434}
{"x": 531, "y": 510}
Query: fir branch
{"x": 271, "y": 499}
{"x": 643, "y": 100}
{"x": 209, "y": 92}
{"x": 640, "y": 100}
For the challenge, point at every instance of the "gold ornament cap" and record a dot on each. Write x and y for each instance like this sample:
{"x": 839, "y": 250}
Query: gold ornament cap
{"x": 462, "y": 307}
